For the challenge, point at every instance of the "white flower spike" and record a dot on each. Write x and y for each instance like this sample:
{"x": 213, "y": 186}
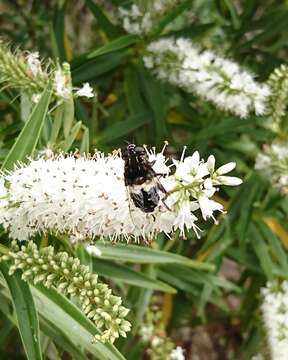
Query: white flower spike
{"x": 86, "y": 198}
{"x": 275, "y": 314}
{"x": 272, "y": 163}
{"x": 210, "y": 76}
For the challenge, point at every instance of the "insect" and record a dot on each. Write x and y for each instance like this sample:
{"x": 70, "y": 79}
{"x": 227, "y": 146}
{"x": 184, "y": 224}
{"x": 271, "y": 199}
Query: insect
{"x": 140, "y": 178}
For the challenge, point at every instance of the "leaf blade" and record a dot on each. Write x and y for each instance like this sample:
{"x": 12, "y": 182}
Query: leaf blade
{"x": 26, "y": 313}
{"x": 28, "y": 138}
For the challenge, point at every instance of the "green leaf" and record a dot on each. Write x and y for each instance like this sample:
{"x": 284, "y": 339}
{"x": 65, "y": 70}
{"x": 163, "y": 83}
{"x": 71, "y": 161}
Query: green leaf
{"x": 144, "y": 255}
{"x": 103, "y": 21}
{"x": 90, "y": 70}
{"x": 113, "y": 46}
{"x": 84, "y": 148}
{"x": 62, "y": 340}
{"x": 172, "y": 15}
{"x": 64, "y": 315}
{"x": 129, "y": 276}
{"x": 261, "y": 251}
{"x": 275, "y": 245}
{"x": 58, "y": 32}
{"x": 122, "y": 128}
{"x": 154, "y": 92}
{"x": 68, "y": 115}
{"x": 56, "y": 125}
{"x": 25, "y": 312}
{"x": 28, "y": 138}
{"x": 66, "y": 145}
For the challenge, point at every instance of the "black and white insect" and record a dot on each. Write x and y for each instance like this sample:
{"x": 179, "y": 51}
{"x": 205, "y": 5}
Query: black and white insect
{"x": 141, "y": 179}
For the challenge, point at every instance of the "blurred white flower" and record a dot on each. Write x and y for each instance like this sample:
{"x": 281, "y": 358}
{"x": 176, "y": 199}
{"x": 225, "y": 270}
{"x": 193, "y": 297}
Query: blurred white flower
{"x": 275, "y": 314}
{"x": 146, "y": 332}
{"x": 87, "y": 198}
{"x": 35, "y": 98}
{"x": 177, "y": 354}
{"x": 34, "y": 63}
{"x": 86, "y": 90}
{"x": 93, "y": 250}
{"x": 141, "y": 20}
{"x": 273, "y": 165}
{"x": 210, "y": 76}
{"x": 61, "y": 85}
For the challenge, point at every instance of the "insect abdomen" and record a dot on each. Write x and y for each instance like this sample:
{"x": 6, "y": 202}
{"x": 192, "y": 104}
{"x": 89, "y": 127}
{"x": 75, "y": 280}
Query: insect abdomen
{"x": 146, "y": 201}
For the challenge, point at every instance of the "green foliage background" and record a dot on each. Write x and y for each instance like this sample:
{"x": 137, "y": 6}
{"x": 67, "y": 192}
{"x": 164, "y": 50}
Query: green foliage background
{"x": 134, "y": 106}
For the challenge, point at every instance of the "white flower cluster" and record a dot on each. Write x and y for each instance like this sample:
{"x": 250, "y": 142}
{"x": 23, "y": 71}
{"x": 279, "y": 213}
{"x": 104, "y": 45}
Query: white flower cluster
{"x": 61, "y": 80}
{"x": 210, "y": 76}
{"x": 87, "y": 198}
{"x": 177, "y": 354}
{"x": 148, "y": 334}
{"x": 142, "y": 20}
{"x": 34, "y": 63}
{"x": 273, "y": 164}
{"x": 275, "y": 314}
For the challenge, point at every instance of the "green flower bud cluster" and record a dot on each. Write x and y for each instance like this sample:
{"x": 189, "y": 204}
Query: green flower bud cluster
{"x": 67, "y": 275}
{"x": 16, "y": 72}
{"x": 26, "y": 72}
{"x": 153, "y": 334}
{"x": 278, "y": 82}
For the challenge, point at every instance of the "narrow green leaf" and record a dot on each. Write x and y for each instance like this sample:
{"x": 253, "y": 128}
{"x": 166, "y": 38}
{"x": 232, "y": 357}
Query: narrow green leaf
{"x": 115, "y": 45}
{"x": 28, "y": 138}
{"x": 25, "y": 311}
{"x": 122, "y": 128}
{"x": 275, "y": 245}
{"x": 58, "y": 31}
{"x": 172, "y": 15}
{"x": 57, "y": 122}
{"x": 90, "y": 70}
{"x": 261, "y": 251}
{"x": 129, "y": 276}
{"x": 103, "y": 21}
{"x": 154, "y": 92}
{"x": 66, "y": 145}
{"x": 62, "y": 340}
{"x": 84, "y": 148}
{"x": 64, "y": 315}
{"x": 68, "y": 115}
{"x": 144, "y": 255}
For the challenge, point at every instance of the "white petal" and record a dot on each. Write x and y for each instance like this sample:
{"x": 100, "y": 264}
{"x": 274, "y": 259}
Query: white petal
{"x": 211, "y": 163}
{"x": 224, "y": 169}
{"x": 93, "y": 250}
{"x": 229, "y": 180}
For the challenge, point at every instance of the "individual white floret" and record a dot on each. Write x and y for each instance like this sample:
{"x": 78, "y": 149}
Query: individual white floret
{"x": 34, "y": 63}
{"x": 85, "y": 91}
{"x": 61, "y": 85}
{"x": 177, "y": 354}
